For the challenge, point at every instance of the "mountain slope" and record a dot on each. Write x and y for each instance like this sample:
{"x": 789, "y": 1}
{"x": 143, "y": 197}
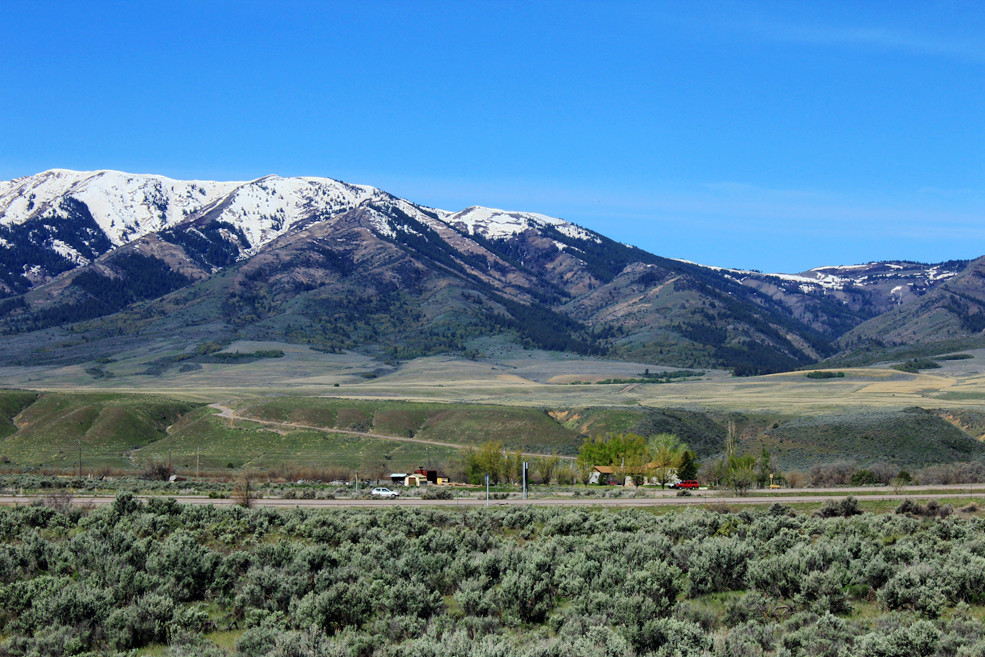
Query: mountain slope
{"x": 342, "y": 266}
{"x": 953, "y": 310}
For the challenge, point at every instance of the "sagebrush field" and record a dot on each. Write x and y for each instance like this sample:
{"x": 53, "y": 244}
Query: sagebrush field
{"x": 164, "y": 578}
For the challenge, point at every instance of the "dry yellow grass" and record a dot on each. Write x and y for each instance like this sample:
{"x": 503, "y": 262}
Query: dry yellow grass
{"x": 536, "y": 379}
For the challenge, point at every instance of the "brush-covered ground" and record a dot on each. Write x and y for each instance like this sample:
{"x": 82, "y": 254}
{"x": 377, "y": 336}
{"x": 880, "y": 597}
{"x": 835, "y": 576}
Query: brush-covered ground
{"x": 159, "y": 578}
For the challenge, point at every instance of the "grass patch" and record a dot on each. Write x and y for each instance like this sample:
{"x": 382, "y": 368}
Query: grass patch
{"x": 225, "y": 639}
{"x": 960, "y": 396}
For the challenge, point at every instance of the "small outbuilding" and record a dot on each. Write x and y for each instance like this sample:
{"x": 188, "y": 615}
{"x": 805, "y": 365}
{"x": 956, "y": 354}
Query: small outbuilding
{"x": 602, "y": 474}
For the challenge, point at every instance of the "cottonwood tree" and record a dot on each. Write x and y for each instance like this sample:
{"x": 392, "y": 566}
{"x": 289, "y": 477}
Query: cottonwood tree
{"x": 545, "y": 467}
{"x": 666, "y": 452}
{"x": 492, "y": 458}
{"x": 632, "y": 455}
{"x": 742, "y": 473}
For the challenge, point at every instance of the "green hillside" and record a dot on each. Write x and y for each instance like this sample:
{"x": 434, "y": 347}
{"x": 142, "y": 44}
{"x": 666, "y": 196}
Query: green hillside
{"x": 49, "y": 428}
{"x": 12, "y": 402}
{"x": 908, "y": 438}
{"x": 211, "y": 442}
{"x": 526, "y": 429}
{"x": 128, "y": 432}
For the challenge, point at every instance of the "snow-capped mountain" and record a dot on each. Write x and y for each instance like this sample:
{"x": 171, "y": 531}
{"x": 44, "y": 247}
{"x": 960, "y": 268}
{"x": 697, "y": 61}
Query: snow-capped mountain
{"x": 123, "y": 206}
{"x": 326, "y": 262}
{"x": 109, "y": 209}
{"x": 119, "y": 208}
{"x": 491, "y": 223}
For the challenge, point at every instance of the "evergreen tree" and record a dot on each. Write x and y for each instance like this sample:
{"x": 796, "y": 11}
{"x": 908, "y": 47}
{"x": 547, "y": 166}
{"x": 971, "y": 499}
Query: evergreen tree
{"x": 688, "y": 468}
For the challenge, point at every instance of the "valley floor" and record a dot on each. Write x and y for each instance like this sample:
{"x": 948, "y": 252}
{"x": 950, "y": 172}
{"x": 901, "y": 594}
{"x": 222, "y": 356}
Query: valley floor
{"x": 513, "y": 378}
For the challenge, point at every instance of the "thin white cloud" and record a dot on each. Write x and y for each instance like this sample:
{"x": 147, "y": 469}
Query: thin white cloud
{"x": 880, "y": 38}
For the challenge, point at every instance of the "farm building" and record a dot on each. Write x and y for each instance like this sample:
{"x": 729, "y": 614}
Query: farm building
{"x": 606, "y": 475}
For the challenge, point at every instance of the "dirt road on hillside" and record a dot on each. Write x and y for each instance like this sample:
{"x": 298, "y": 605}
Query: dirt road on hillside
{"x": 229, "y": 413}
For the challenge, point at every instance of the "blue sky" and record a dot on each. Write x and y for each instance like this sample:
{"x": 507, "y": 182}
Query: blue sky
{"x": 774, "y": 136}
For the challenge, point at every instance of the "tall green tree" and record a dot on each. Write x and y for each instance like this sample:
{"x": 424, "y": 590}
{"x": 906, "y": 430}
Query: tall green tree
{"x": 544, "y": 467}
{"x": 742, "y": 473}
{"x": 688, "y": 469}
{"x": 490, "y": 459}
{"x": 627, "y": 453}
{"x": 666, "y": 452}
{"x": 764, "y": 468}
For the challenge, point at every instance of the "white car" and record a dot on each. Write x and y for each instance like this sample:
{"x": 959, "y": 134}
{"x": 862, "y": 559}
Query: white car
{"x": 384, "y": 493}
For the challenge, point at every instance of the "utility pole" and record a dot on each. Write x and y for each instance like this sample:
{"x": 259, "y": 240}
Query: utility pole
{"x": 525, "y": 466}
{"x": 487, "y": 489}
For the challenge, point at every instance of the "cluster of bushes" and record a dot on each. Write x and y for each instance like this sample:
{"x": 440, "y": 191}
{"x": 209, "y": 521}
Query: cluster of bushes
{"x": 933, "y": 508}
{"x": 245, "y": 357}
{"x": 651, "y": 377}
{"x": 819, "y": 374}
{"x": 972, "y": 472}
{"x": 845, "y": 474}
{"x": 497, "y": 581}
{"x": 915, "y": 365}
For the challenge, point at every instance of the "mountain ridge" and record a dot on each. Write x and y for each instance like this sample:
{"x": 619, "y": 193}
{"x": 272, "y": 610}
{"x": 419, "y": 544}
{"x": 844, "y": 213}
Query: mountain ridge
{"x": 347, "y": 266}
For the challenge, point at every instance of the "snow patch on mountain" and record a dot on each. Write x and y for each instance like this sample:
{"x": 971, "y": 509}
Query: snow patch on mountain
{"x": 269, "y": 207}
{"x": 493, "y": 224}
{"x": 67, "y": 252}
{"x": 935, "y": 274}
{"x": 124, "y": 206}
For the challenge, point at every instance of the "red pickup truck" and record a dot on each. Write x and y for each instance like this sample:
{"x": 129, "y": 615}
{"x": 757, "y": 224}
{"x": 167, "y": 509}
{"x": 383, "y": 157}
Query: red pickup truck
{"x": 690, "y": 483}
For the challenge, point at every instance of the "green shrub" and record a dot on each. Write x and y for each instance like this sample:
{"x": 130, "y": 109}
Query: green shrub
{"x": 913, "y": 588}
{"x": 437, "y": 493}
{"x": 666, "y": 637}
{"x": 718, "y": 564}
{"x": 864, "y": 478}
{"x": 143, "y": 622}
{"x": 844, "y": 508}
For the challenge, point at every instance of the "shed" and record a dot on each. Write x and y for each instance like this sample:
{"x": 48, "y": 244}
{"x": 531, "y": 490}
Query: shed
{"x": 602, "y": 474}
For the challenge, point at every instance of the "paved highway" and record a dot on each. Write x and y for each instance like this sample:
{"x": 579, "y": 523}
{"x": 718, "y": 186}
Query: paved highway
{"x": 702, "y": 498}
